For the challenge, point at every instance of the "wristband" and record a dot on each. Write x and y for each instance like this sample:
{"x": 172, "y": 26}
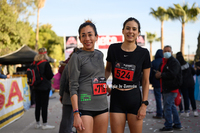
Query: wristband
{"x": 75, "y": 111}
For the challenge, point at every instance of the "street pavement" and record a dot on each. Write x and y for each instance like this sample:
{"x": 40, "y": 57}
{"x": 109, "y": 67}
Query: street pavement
{"x": 27, "y": 122}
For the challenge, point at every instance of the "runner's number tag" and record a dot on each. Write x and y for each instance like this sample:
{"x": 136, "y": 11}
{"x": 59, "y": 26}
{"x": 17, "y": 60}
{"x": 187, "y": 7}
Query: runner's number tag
{"x": 99, "y": 86}
{"x": 124, "y": 72}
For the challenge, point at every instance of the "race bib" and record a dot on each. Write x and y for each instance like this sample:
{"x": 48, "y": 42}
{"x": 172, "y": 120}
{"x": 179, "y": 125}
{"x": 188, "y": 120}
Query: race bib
{"x": 124, "y": 72}
{"x": 99, "y": 86}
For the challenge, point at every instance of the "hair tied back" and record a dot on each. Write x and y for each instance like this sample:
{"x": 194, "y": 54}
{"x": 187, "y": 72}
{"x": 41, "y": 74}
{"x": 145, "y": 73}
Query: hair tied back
{"x": 88, "y": 21}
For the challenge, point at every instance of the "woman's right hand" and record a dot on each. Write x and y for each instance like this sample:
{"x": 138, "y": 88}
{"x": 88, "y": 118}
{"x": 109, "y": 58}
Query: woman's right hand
{"x": 78, "y": 123}
{"x": 109, "y": 90}
{"x": 60, "y": 99}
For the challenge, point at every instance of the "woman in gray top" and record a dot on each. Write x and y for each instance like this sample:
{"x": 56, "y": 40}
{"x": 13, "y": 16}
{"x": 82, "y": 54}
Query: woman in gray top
{"x": 87, "y": 84}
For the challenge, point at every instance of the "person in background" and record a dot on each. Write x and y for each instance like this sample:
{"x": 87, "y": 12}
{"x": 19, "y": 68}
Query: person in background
{"x": 87, "y": 84}
{"x": 170, "y": 79}
{"x": 67, "y": 111}
{"x": 32, "y": 90}
{"x": 127, "y": 61}
{"x": 4, "y": 76}
{"x": 42, "y": 90}
{"x": 156, "y": 83}
{"x": 187, "y": 88}
{"x": 1, "y": 69}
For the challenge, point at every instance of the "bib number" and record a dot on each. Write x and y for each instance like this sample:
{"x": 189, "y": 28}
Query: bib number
{"x": 124, "y": 71}
{"x": 99, "y": 86}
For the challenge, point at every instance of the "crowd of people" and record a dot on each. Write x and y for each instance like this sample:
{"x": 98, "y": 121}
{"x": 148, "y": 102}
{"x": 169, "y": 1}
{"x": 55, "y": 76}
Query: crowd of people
{"x": 83, "y": 89}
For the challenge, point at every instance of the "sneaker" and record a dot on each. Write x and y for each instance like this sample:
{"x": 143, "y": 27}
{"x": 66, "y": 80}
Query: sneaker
{"x": 37, "y": 126}
{"x": 164, "y": 129}
{"x": 157, "y": 117}
{"x": 181, "y": 113}
{"x": 32, "y": 106}
{"x": 187, "y": 114}
{"x": 177, "y": 128}
{"x": 196, "y": 113}
{"x": 48, "y": 127}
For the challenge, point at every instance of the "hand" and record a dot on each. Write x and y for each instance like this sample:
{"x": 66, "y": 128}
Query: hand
{"x": 197, "y": 67}
{"x": 60, "y": 99}
{"x": 109, "y": 90}
{"x": 78, "y": 123}
{"x": 158, "y": 75}
{"x": 8, "y": 76}
{"x": 141, "y": 112}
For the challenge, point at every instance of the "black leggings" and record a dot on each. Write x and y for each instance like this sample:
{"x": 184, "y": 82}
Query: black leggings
{"x": 42, "y": 101}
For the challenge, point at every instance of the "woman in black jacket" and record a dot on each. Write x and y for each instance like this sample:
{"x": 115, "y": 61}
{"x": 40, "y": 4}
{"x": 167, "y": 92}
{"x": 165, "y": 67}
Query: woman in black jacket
{"x": 187, "y": 88}
{"x": 42, "y": 89}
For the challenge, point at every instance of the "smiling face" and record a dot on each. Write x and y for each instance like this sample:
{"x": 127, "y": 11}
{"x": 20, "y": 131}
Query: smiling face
{"x": 130, "y": 31}
{"x": 87, "y": 38}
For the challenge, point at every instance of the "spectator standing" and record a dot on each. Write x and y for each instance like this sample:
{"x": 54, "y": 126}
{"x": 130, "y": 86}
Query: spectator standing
{"x": 170, "y": 79}
{"x": 42, "y": 90}
{"x": 67, "y": 111}
{"x": 156, "y": 83}
{"x": 187, "y": 88}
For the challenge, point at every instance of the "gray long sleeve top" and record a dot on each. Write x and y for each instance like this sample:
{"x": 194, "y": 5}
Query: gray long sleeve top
{"x": 63, "y": 84}
{"x": 82, "y": 68}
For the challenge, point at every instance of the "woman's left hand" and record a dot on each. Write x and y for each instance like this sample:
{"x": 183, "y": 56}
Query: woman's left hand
{"x": 142, "y": 112}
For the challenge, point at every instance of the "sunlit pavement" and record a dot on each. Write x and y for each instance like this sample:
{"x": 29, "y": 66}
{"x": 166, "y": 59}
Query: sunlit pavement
{"x": 27, "y": 122}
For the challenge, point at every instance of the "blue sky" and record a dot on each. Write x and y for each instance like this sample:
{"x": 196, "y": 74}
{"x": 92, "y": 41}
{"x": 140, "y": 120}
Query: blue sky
{"x": 108, "y": 15}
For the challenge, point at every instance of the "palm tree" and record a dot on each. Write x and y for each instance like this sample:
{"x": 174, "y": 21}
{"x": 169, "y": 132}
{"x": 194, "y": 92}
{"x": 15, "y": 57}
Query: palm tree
{"x": 161, "y": 14}
{"x": 151, "y": 38}
{"x": 184, "y": 14}
{"x": 39, "y": 4}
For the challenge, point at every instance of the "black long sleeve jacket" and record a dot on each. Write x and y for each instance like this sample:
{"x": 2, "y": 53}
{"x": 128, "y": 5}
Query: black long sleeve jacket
{"x": 171, "y": 75}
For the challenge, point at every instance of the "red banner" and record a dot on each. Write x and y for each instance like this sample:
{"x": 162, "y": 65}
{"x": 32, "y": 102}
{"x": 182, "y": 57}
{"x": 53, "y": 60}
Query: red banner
{"x": 104, "y": 41}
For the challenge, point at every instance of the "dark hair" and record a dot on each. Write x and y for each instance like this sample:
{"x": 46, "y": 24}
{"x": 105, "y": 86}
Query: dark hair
{"x": 132, "y": 19}
{"x": 86, "y": 23}
{"x": 168, "y": 46}
{"x": 179, "y": 57}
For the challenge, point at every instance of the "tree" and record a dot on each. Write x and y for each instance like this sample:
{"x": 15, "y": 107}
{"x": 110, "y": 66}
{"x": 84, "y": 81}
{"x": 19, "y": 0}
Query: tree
{"x": 8, "y": 32}
{"x": 39, "y": 4}
{"x": 13, "y": 31}
{"x": 31, "y": 42}
{"x": 151, "y": 38}
{"x": 21, "y": 7}
{"x": 184, "y": 14}
{"x": 24, "y": 30}
{"x": 162, "y": 15}
{"x": 51, "y": 42}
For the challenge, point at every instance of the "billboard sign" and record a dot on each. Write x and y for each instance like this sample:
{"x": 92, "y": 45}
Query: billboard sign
{"x": 71, "y": 41}
{"x": 141, "y": 40}
{"x": 104, "y": 41}
{"x": 69, "y": 44}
